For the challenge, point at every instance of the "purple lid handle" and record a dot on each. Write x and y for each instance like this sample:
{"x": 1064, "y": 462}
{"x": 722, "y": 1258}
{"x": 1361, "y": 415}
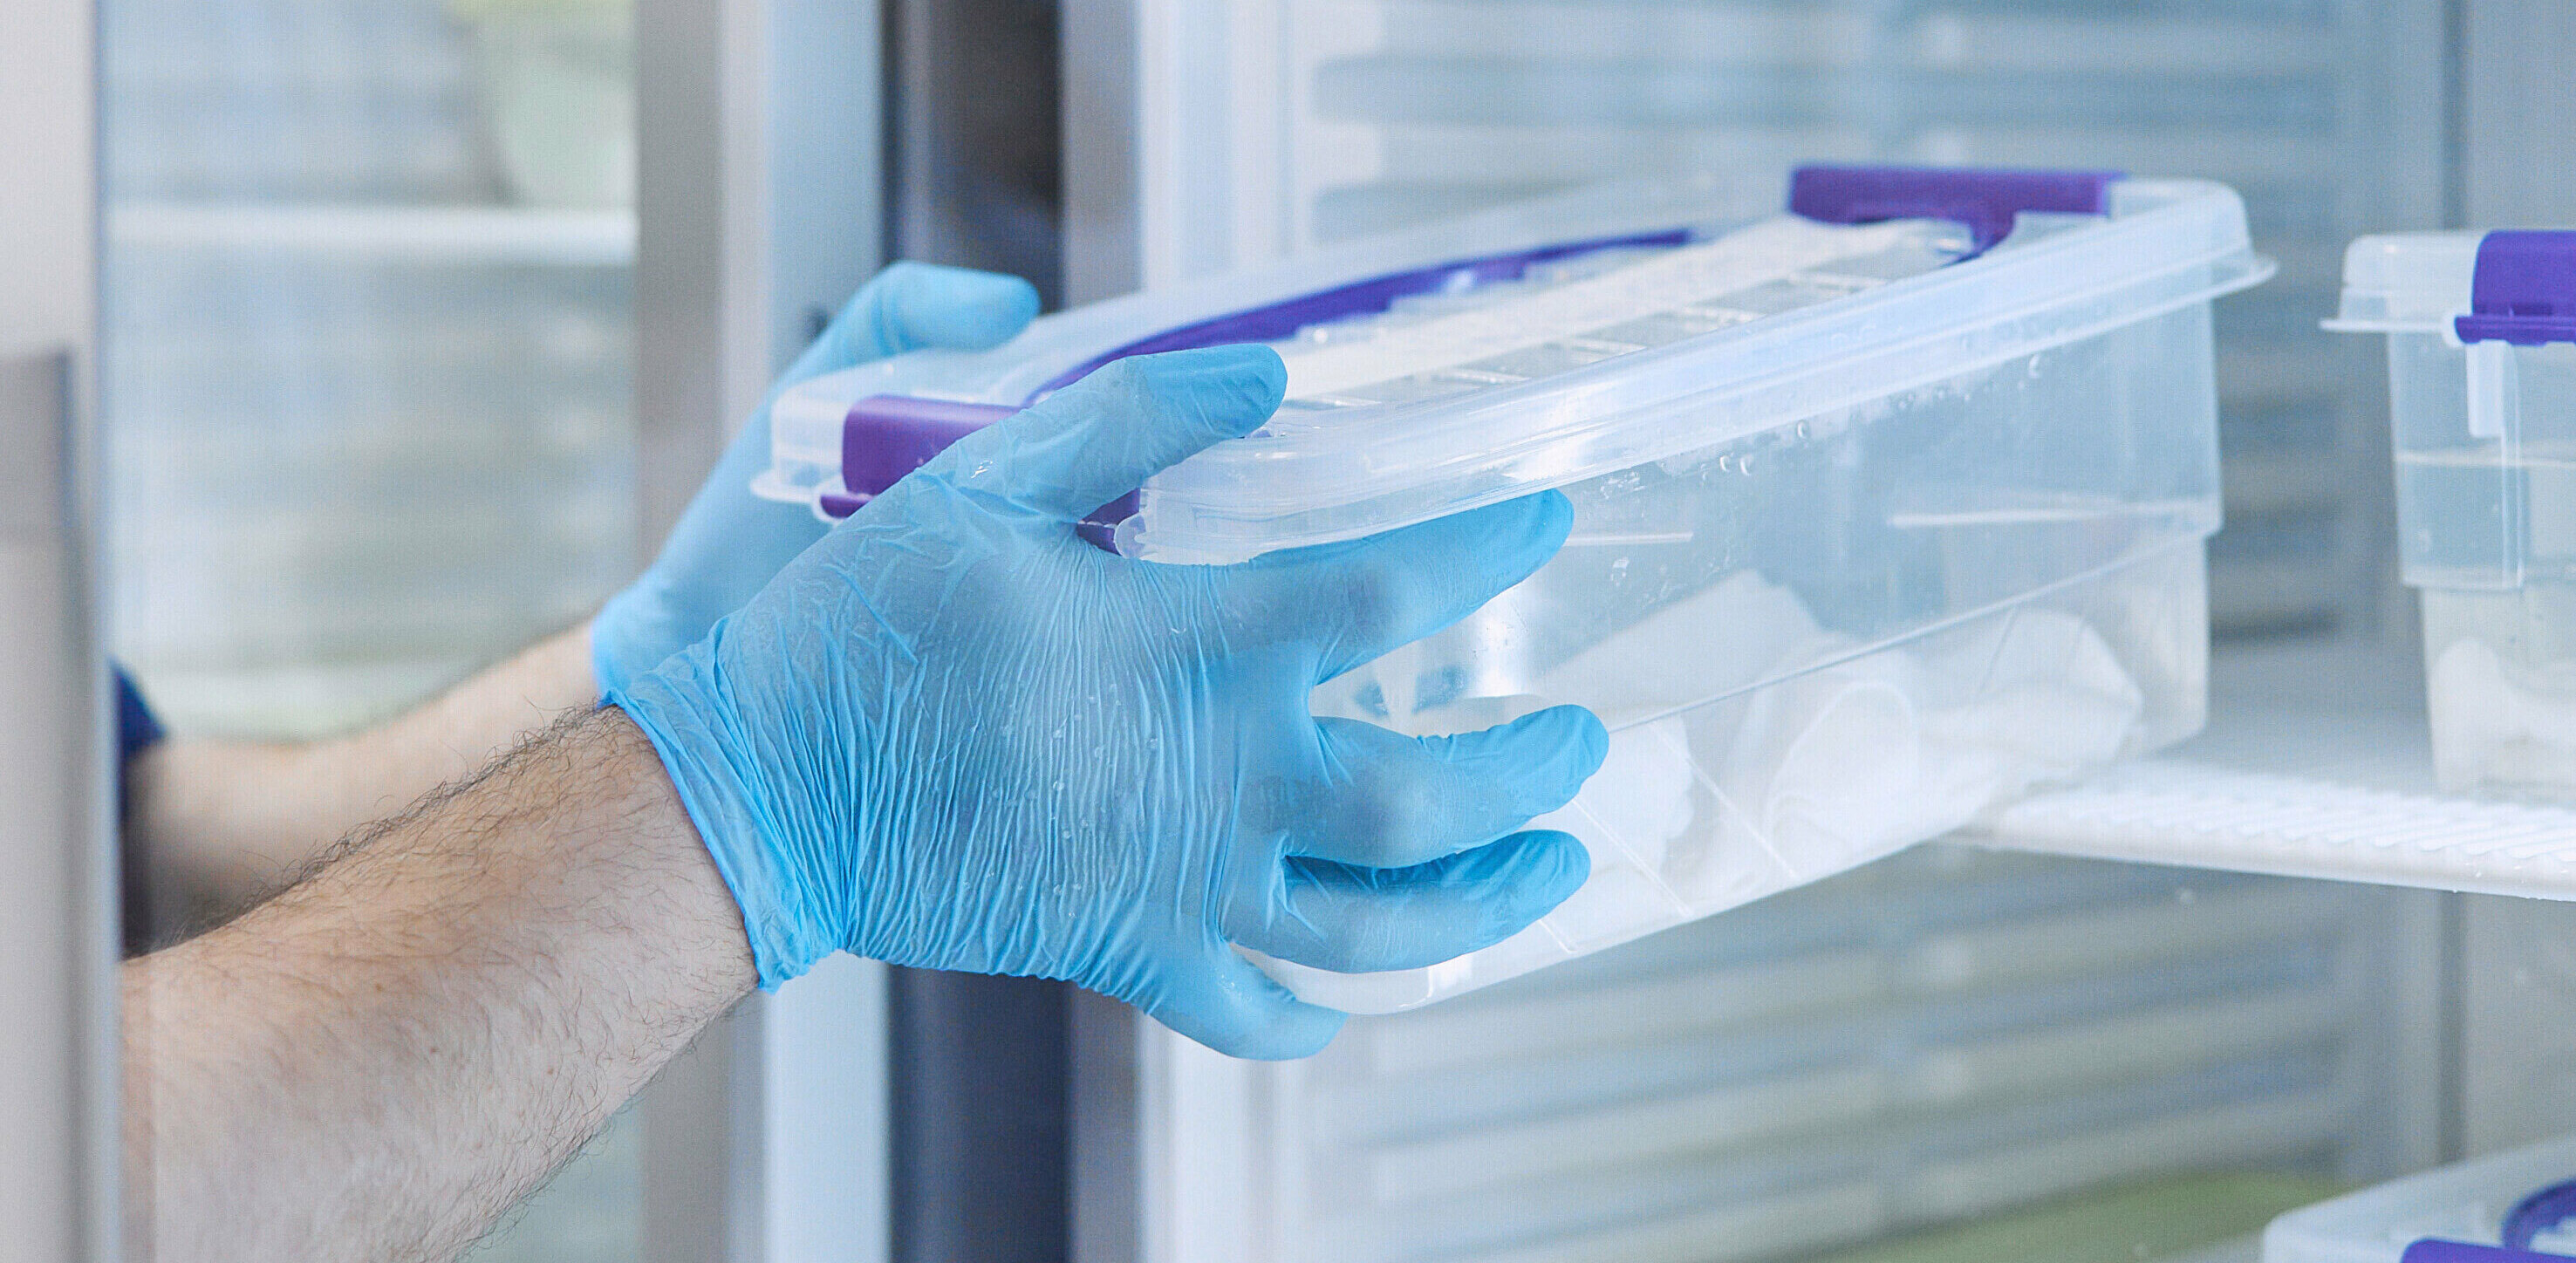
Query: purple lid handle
{"x": 2538, "y": 1213}
{"x": 885, "y": 437}
{"x": 2533, "y": 1215}
{"x": 2524, "y": 291}
{"x": 1983, "y": 200}
{"x": 2436, "y": 1250}
{"x": 1359, "y": 298}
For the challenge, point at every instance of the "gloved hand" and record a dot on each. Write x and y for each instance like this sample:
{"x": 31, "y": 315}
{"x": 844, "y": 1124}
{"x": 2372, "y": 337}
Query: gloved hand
{"x": 954, "y": 735}
{"x": 730, "y": 541}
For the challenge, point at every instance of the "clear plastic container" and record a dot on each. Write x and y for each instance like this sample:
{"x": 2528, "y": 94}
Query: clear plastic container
{"x": 1878, "y": 524}
{"x": 2465, "y": 1202}
{"x": 2485, "y": 442}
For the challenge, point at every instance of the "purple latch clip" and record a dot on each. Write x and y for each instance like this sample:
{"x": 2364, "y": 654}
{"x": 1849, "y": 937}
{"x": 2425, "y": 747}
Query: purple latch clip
{"x": 2436, "y": 1250}
{"x": 1984, "y": 201}
{"x": 885, "y": 437}
{"x": 2525, "y": 290}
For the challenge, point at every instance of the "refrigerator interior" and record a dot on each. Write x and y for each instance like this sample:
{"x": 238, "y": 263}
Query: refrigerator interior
{"x": 366, "y": 400}
{"x": 371, "y": 428}
{"x": 1947, "y": 1035}
{"x": 368, "y": 409}
{"x": 1833, "y": 1073}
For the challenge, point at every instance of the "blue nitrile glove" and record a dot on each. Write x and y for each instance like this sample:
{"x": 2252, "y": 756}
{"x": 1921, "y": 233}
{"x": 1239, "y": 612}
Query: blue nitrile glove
{"x": 730, "y": 541}
{"x": 954, "y": 735}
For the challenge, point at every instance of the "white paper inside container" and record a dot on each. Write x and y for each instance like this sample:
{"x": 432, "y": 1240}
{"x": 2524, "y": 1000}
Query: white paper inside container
{"x": 1820, "y": 768}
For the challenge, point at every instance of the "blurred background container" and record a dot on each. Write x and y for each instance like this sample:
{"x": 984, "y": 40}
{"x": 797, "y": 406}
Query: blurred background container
{"x": 556, "y": 83}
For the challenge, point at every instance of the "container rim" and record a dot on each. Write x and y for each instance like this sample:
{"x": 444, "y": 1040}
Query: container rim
{"x": 2193, "y": 231}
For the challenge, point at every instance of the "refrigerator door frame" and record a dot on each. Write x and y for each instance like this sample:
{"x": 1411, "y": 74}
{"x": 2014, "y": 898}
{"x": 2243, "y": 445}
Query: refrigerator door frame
{"x": 59, "y": 1064}
{"x": 2515, "y": 988}
{"x": 758, "y": 213}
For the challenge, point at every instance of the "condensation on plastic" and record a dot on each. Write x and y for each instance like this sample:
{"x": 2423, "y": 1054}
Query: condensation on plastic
{"x": 1863, "y": 556}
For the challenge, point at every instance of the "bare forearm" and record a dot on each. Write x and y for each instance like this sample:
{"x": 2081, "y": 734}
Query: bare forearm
{"x": 231, "y": 822}
{"x": 379, "y": 1061}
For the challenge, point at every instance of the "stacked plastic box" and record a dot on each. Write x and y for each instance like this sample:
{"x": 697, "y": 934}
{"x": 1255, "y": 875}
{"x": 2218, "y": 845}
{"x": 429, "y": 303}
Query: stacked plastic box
{"x": 2482, "y": 393}
{"x": 2496, "y": 1209}
{"x": 1886, "y": 510}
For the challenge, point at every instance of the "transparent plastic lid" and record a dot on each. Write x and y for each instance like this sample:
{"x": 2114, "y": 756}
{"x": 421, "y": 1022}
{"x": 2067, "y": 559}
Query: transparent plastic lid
{"x": 2514, "y": 285}
{"x": 2408, "y": 282}
{"x": 1594, "y": 332}
{"x": 2509, "y": 1207}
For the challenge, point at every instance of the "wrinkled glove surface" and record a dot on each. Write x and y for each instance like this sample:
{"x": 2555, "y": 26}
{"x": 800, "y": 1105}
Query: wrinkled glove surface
{"x": 730, "y": 542}
{"x": 954, "y": 735}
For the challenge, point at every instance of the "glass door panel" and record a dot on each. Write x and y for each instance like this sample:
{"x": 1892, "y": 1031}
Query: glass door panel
{"x": 367, "y": 347}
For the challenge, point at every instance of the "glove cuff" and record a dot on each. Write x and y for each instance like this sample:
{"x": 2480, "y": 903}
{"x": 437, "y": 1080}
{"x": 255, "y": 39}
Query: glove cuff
{"x": 720, "y": 803}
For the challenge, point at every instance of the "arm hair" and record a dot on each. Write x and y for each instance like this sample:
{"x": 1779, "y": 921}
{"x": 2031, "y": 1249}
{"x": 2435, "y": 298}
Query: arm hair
{"x": 379, "y": 1061}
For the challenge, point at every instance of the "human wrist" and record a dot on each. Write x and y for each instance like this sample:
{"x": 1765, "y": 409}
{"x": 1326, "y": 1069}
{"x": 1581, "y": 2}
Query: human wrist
{"x": 573, "y": 845}
{"x": 716, "y": 778}
{"x": 649, "y": 855}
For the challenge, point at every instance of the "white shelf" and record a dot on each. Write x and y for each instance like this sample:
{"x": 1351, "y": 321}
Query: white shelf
{"x": 411, "y": 233}
{"x": 2306, "y": 786}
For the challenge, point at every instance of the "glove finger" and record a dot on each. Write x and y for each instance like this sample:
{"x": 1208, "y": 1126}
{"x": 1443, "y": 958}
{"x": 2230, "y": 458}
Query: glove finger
{"x": 1390, "y": 800}
{"x": 1228, "y": 1004}
{"x": 905, "y": 307}
{"x": 1359, "y": 600}
{"x": 913, "y": 305}
{"x": 1103, "y": 436}
{"x": 726, "y": 547}
{"x": 1360, "y": 920}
